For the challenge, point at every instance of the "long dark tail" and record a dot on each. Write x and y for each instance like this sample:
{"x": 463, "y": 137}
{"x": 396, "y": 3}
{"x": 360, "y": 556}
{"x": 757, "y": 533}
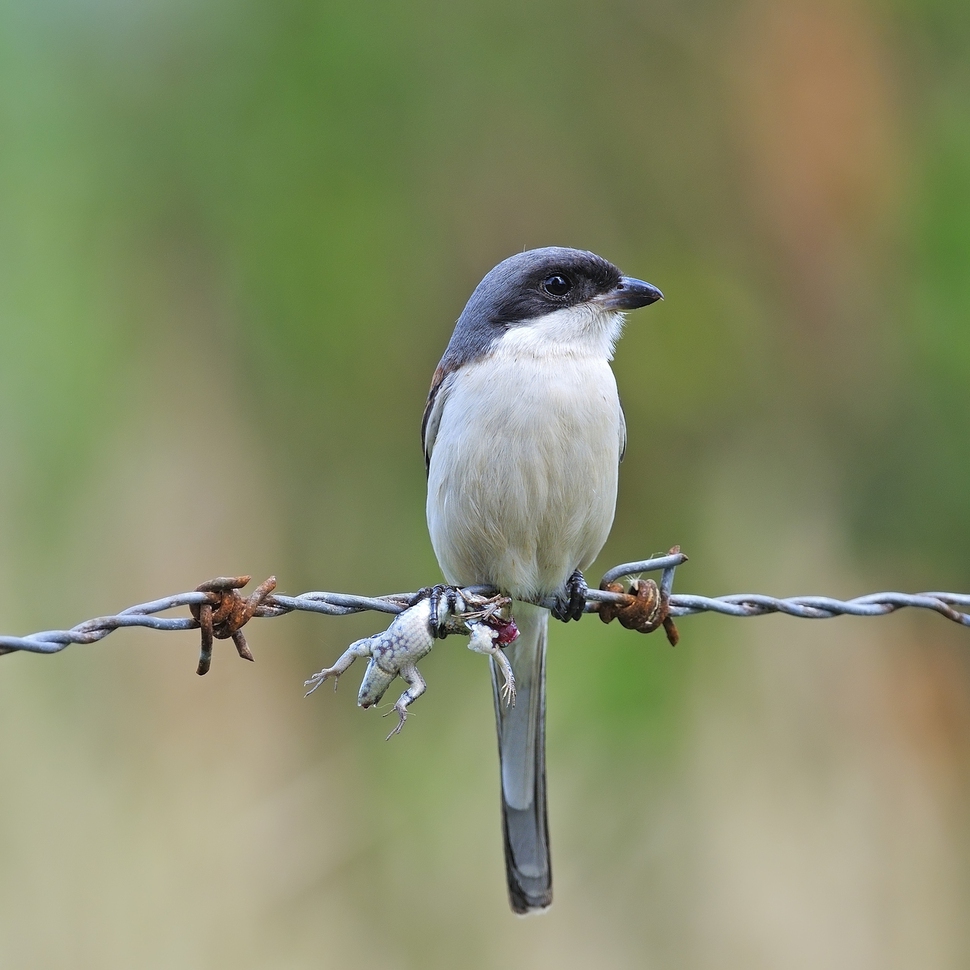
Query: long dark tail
{"x": 522, "y": 759}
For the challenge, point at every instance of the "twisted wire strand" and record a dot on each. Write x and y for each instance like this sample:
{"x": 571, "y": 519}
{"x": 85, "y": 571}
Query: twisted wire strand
{"x": 954, "y": 606}
{"x": 820, "y": 607}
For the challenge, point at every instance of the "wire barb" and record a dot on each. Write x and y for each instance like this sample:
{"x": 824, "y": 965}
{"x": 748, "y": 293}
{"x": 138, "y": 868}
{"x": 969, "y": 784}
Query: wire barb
{"x": 647, "y": 605}
{"x": 226, "y": 614}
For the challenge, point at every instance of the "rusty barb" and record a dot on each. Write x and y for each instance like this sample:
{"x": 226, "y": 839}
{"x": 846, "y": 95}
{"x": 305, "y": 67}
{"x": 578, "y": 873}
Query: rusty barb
{"x": 220, "y": 610}
{"x": 645, "y": 607}
{"x": 225, "y": 613}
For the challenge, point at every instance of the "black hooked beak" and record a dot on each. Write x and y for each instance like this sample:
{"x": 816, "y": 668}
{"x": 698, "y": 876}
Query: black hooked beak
{"x": 630, "y": 294}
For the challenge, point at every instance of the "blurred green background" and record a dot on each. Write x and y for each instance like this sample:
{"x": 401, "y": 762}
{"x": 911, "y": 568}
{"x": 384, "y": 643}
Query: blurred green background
{"x": 234, "y": 238}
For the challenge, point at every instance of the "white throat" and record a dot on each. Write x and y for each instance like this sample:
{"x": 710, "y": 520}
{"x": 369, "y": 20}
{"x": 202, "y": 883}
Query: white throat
{"x": 579, "y": 331}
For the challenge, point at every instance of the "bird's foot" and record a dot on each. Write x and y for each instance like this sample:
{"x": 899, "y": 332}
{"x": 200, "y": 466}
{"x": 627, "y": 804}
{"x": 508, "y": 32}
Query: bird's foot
{"x": 571, "y": 602}
{"x": 443, "y": 599}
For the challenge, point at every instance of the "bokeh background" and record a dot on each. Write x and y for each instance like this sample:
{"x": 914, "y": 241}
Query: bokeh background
{"x": 234, "y": 238}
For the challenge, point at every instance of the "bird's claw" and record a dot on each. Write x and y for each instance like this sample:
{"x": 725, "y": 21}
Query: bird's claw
{"x": 438, "y": 596}
{"x": 571, "y": 602}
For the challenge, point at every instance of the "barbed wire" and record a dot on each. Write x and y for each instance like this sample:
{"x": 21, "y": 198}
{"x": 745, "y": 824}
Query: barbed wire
{"x": 219, "y": 611}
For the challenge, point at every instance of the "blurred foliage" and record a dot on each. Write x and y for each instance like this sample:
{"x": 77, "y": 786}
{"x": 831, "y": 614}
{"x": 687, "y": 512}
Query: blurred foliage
{"x": 233, "y": 241}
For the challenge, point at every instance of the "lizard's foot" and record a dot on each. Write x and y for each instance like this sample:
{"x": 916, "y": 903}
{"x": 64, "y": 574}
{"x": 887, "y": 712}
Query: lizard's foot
{"x": 401, "y": 709}
{"x": 320, "y": 677}
{"x": 507, "y": 690}
{"x": 416, "y": 687}
{"x": 571, "y": 602}
{"x": 361, "y": 648}
{"x": 488, "y": 639}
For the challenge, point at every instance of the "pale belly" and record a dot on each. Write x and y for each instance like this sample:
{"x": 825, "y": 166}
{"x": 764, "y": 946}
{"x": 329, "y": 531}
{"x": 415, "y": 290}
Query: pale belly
{"x": 523, "y": 474}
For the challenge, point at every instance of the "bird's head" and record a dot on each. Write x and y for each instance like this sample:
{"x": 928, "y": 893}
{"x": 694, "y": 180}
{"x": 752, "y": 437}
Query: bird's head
{"x": 545, "y": 300}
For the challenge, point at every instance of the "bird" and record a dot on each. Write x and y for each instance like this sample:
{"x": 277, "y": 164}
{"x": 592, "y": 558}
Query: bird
{"x": 523, "y": 433}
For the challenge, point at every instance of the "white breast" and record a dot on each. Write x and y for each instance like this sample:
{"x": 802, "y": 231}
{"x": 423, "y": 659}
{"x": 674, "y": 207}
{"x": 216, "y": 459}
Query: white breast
{"x": 523, "y": 473}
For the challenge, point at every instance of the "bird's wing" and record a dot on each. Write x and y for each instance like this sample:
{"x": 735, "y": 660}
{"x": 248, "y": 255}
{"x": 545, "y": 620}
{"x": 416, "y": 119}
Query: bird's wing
{"x": 622, "y": 433}
{"x": 437, "y": 396}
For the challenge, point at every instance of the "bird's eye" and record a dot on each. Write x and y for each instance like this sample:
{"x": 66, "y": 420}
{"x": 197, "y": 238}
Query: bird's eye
{"x": 557, "y": 285}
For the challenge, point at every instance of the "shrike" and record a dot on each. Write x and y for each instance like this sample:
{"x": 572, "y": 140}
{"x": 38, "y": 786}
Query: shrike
{"x": 523, "y": 433}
